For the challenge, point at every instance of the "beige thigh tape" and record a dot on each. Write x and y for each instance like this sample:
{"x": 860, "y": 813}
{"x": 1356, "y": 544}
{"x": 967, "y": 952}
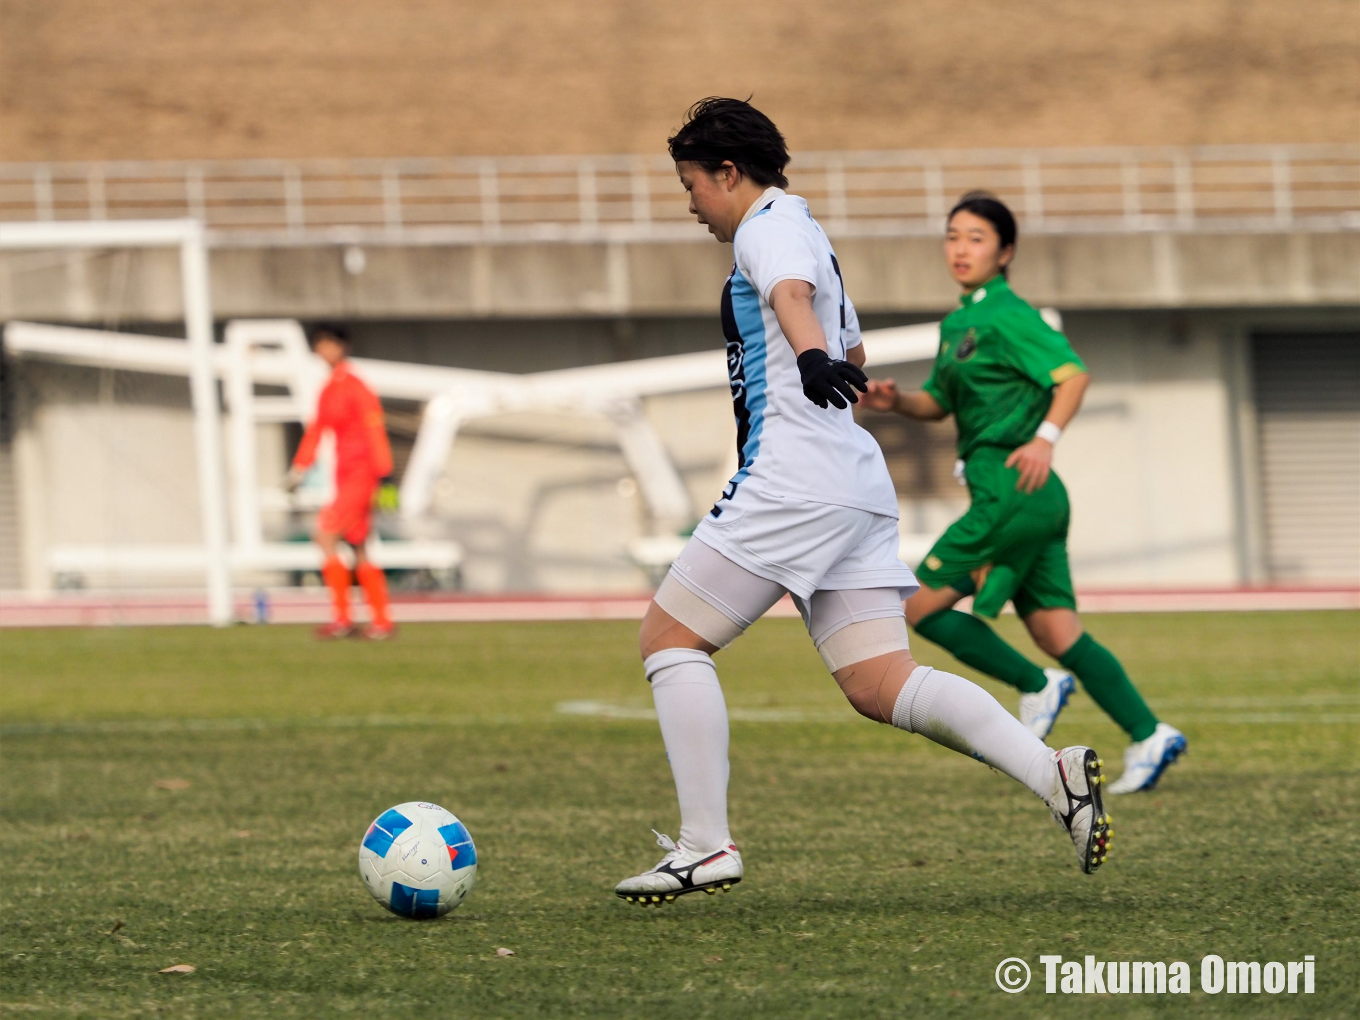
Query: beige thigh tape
{"x": 711, "y": 624}
{"x": 860, "y": 641}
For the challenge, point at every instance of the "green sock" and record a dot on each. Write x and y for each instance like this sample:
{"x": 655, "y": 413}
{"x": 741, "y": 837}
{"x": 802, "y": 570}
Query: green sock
{"x": 1110, "y": 687}
{"x": 970, "y": 640}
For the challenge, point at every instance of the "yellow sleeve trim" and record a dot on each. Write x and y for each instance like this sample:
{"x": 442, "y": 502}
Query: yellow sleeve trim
{"x": 1062, "y": 373}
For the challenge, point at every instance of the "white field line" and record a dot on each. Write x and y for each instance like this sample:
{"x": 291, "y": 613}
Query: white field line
{"x": 154, "y": 726}
{"x": 1253, "y": 701}
{"x": 1210, "y": 713}
{"x": 606, "y": 710}
{"x": 603, "y": 709}
{"x": 1272, "y": 719}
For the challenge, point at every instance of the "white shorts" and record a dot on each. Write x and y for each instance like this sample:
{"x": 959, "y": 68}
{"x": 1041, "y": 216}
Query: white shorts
{"x": 808, "y": 547}
{"x": 718, "y": 599}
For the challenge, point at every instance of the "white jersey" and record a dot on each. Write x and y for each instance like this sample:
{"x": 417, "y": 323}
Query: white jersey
{"x": 787, "y": 446}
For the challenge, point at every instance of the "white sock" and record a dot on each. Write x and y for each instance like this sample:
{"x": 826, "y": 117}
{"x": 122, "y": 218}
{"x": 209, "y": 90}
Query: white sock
{"x": 693, "y": 717}
{"x": 962, "y": 716}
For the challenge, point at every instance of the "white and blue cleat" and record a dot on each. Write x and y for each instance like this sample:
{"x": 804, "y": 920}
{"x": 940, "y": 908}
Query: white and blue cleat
{"x": 1039, "y": 711}
{"x": 1145, "y": 761}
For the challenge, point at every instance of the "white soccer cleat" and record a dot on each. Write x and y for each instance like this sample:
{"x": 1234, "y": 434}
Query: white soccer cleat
{"x": 1076, "y": 804}
{"x": 682, "y": 871}
{"x": 1039, "y": 711}
{"x": 1145, "y": 761}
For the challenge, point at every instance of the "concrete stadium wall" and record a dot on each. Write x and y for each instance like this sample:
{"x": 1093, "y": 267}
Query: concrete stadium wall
{"x": 92, "y": 468}
{"x": 1150, "y": 462}
{"x": 659, "y": 279}
{"x": 108, "y": 458}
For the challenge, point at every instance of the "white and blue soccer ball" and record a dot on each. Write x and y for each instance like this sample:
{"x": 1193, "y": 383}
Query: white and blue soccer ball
{"x": 418, "y": 860}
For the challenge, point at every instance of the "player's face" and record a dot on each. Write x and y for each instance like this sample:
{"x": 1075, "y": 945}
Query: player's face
{"x": 711, "y": 197}
{"x": 332, "y": 352}
{"x": 972, "y": 250}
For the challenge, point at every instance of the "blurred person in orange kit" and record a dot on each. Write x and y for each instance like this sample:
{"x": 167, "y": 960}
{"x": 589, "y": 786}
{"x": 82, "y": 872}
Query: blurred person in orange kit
{"x": 363, "y": 470}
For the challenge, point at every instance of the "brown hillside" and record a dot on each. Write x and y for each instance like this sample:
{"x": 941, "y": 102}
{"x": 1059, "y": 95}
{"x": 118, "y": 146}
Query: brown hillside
{"x": 82, "y": 79}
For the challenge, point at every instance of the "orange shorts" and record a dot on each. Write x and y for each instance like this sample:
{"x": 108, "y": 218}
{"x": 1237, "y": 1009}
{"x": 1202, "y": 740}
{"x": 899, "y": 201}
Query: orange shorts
{"x": 351, "y": 514}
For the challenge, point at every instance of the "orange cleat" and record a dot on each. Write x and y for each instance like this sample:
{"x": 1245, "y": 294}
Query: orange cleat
{"x": 380, "y": 631}
{"x": 334, "y": 631}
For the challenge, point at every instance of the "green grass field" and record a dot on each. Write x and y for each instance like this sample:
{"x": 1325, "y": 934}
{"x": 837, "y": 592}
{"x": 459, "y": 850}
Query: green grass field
{"x": 886, "y": 877}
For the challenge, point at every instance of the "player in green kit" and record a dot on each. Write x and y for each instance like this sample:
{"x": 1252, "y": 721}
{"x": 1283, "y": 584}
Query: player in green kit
{"x": 1013, "y": 383}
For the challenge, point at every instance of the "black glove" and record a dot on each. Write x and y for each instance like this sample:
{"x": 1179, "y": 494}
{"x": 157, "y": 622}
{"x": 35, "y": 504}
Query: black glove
{"x": 826, "y": 381}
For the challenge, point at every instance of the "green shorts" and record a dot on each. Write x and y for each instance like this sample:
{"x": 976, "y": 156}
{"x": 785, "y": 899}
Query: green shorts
{"x": 1020, "y": 538}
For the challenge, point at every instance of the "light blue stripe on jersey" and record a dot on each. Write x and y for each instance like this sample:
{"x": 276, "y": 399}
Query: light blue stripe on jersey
{"x": 751, "y": 326}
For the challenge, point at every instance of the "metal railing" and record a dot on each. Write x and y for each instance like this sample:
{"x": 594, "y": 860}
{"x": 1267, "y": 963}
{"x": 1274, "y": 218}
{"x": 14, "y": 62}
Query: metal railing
{"x": 1309, "y": 187}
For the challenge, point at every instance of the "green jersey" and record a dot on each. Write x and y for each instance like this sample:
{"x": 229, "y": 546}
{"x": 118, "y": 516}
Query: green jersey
{"x": 996, "y": 368}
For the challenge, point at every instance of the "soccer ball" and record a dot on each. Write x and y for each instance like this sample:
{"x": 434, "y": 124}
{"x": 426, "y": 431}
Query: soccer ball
{"x": 418, "y": 860}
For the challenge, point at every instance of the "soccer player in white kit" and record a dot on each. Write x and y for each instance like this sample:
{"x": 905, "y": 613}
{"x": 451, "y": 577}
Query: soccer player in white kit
{"x": 811, "y": 511}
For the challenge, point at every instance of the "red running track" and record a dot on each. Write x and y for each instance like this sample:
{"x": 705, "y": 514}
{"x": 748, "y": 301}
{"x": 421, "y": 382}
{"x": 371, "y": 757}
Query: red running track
{"x": 301, "y": 605}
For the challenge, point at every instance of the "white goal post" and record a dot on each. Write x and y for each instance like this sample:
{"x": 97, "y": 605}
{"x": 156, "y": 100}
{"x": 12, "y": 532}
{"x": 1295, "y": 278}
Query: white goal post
{"x": 187, "y": 236}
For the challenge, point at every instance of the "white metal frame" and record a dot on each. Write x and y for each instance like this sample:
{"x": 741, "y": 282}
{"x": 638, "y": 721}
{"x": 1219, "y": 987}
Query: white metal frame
{"x": 188, "y": 237}
{"x": 246, "y": 340}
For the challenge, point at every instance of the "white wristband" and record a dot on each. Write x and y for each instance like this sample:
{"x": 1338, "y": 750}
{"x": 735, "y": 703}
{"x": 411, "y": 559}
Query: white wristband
{"x": 1047, "y": 430}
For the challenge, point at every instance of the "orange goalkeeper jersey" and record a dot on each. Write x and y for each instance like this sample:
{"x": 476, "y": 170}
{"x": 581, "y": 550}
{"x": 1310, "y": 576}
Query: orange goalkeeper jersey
{"x": 351, "y": 410}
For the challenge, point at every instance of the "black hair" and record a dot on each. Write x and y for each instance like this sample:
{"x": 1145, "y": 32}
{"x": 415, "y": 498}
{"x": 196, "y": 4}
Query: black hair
{"x": 331, "y": 329}
{"x": 719, "y": 130}
{"x": 994, "y": 211}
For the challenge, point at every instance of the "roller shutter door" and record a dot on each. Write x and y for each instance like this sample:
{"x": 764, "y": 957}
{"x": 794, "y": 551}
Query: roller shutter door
{"x": 1308, "y": 417}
